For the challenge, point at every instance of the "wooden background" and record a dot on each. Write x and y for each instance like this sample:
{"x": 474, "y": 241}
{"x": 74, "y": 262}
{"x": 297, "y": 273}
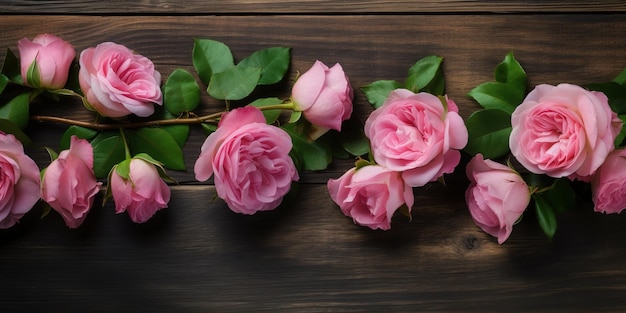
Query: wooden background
{"x": 197, "y": 256}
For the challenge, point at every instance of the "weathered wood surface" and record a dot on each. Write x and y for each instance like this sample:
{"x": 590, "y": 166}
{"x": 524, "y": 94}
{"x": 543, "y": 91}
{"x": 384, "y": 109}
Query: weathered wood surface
{"x": 197, "y": 256}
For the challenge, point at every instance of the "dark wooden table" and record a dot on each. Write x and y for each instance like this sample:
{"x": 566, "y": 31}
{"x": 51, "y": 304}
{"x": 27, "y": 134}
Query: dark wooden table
{"x": 198, "y": 256}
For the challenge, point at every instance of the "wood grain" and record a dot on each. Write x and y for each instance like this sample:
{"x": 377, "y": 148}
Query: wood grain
{"x": 198, "y": 256}
{"x": 251, "y": 7}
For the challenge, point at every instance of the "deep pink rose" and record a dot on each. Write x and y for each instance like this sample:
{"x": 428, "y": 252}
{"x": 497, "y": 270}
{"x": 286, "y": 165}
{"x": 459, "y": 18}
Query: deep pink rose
{"x": 118, "y": 82}
{"x": 69, "y": 185}
{"x": 608, "y": 185}
{"x": 324, "y": 96}
{"x": 416, "y": 135}
{"x": 370, "y": 195}
{"x": 249, "y": 161}
{"x": 53, "y": 55}
{"x": 497, "y": 196}
{"x": 19, "y": 181}
{"x": 142, "y": 194}
{"x": 563, "y": 130}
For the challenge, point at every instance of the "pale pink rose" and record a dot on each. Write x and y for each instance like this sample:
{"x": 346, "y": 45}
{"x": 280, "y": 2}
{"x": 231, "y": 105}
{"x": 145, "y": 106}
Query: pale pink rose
{"x": 249, "y": 161}
{"x": 324, "y": 96}
{"x": 69, "y": 185}
{"x": 53, "y": 55}
{"x": 370, "y": 195}
{"x": 608, "y": 186}
{"x": 142, "y": 194}
{"x": 497, "y": 196}
{"x": 416, "y": 135}
{"x": 118, "y": 82}
{"x": 19, "y": 181}
{"x": 563, "y": 131}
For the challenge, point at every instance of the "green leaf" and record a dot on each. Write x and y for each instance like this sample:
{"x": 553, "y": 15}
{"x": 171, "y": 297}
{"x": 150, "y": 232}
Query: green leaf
{"x": 488, "y": 133}
{"x": 330, "y": 141}
{"x": 545, "y": 215}
{"x": 378, "y": 91}
{"x": 273, "y": 63}
{"x": 615, "y": 92}
{"x": 9, "y": 127}
{"x": 159, "y": 143}
{"x": 234, "y": 83}
{"x": 353, "y": 138}
{"x": 123, "y": 169}
{"x": 621, "y": 78}
{"x": 496, "y": 95}
{"x": 4, "y": 81}
{"x": 32, "y": 75}
{"x": 560, "y": 196}
{"x": 80, "y": 132}
{"x": 53, "y": 154}
{"x": 11, "y": 67}
{"x": 511, "y": 72}
{"x": 437, "y": 86}
{"x": 622, "y": 134}
{"x": 181, "y": 92}
{"x": 108, "y": 150}
{"x": 270, "y": 115}
{"x": 211, "y": 57}
{"x": 180, "y": 133}
{"x": 423, "y": 72}
{"x": 17, "y": 110}
{"x": 314, "y": 156}
{"x": 294, "y": 117}
{"x": 208, "y": 128}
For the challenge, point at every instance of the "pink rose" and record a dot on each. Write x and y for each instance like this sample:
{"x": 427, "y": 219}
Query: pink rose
{"x": 417, "y": 135}
{"x": 142, "y": 193}
{"x": 497, "y": 196}
{"x": 370, "y": 195}
{"x": 69, "y": 185}
{"x": 118, "y": 82}
{"x": 608, "y": 186}
{"x": 563, "y": 130}
{"x": 19, "y": 181}
{"x": 249, "y": 160}
{"x": 53, "y": 56}
{"x": 324, "y": 96}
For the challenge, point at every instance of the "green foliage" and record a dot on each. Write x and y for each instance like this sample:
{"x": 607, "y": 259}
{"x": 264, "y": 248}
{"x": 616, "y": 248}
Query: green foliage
{"x": 32, "y": 75}
{"x": 234, "y": 83}
{"x": 621, "y": 78}
{"x": 16, "y": 110}
{"x": 159, "y": 143}
{"x": 378, "y": 91}
{"x": 80, "y": 132}
{"x": 551, "y": 201}
{"x": 210, "y": 57}
{"x": 181, "y": 93}
{"x": 622, "y": 134}
{"x": 4, "y": 81}
{"x": 108, "y": 150}
{"x": 426, "y": 75}
{"x": 9, "y": 127}
{"x": 488, "y": 133}
{"x": 511, "y": 72}
{"x": 615, "y": 92}
{"x": 270, "y": 115}
{"x": 314, "y": 156}
{"x": 11, "y": 67}
{"x": 273, "y": 63}
{"x": 353, "y": 139}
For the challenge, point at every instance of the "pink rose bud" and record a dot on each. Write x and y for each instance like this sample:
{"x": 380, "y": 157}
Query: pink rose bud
{"x": 497, "y": 196}
{"x": 608, "y": 186}
{"x": 324, "y": 96}
{"x": 370, "y": 195}
{"x": 249, "y": 161}
{"x": 142, "y": 193}
{"x": 69, "y": 185}
{"x": 418, "y": 135}
{"x": 19, "y": 181}
{"x": 563, "y": 131}
{"x": 118, "y": 82}
{"x": 52, "y": 57}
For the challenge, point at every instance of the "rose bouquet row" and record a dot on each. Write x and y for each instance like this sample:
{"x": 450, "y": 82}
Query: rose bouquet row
{"x": 140, "y": 126}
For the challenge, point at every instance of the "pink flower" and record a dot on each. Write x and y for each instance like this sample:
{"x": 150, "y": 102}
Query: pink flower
{"x": 53, "y": 58}
{"x": 608, "y": 186}
{"x": 19, "y": 181}
{"x": 118, "y": 82}
{"x": 370, "y": 195}
{"x": 249, "y": 160}
{"x": 497, "y": 196}
{"x": 563, "y": 130}
{"x": 324, "y": 96}
{"x": 418, "y": 135}
{"x": 142, "y": 192}
{"x": 69, "y": 185}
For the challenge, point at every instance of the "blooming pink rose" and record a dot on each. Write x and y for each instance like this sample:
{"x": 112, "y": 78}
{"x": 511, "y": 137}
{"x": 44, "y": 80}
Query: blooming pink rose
{"x": 497, "y": 196}
{"x": 608, "y": 186}
{"x": 53, "y": 56}
{"x": 563, "y": 130}
{"x": 249, "y": 160}
{"x": 19, "y": 181}
{"x": 417, "y": 135}
{"x": 118, "y": 82}
{"x": 69, "y": 185}
{"x": 324, "y": 96}
{"x": 142, "y": 193}
{"x": 370, "y": 195}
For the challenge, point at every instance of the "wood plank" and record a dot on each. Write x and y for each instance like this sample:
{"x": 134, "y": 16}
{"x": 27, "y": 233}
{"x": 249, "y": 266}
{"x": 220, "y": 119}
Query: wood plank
{"x": 310, "y": 6}
{"x": 552, "y": 48}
